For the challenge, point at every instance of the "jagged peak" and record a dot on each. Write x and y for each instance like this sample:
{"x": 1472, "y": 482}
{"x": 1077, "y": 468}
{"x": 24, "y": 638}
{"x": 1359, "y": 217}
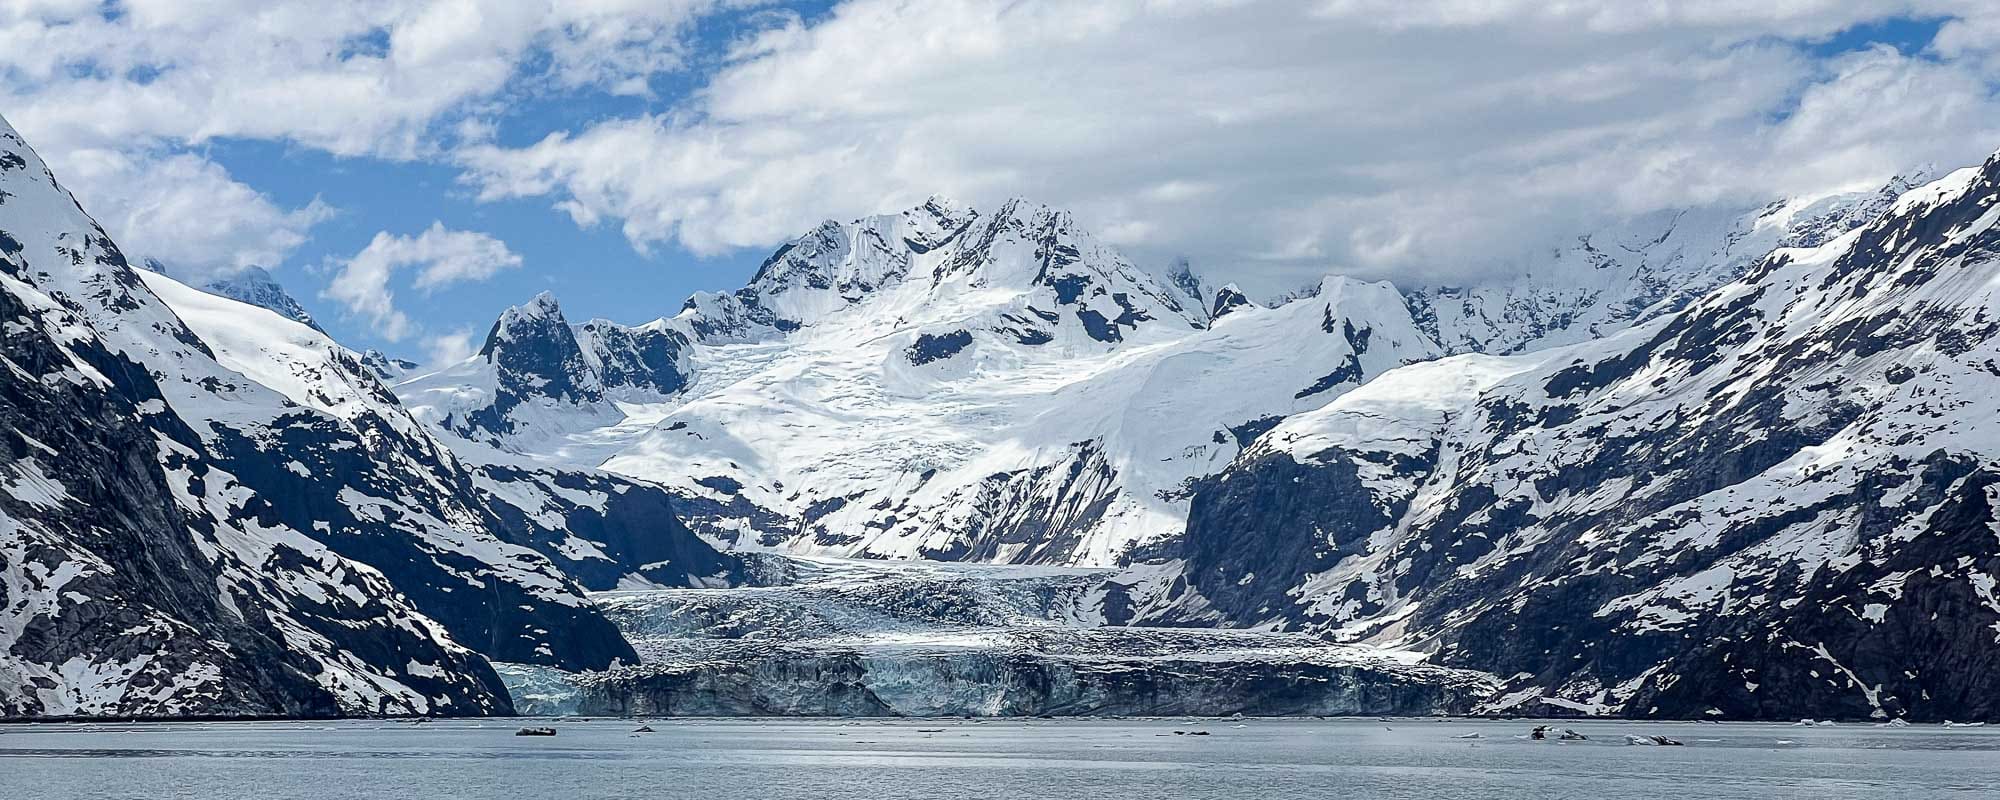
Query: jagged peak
{"x": 543, "y": 304}
{"x": 389, "y": 369}
{"x": 540, "y": 313}
{"x": 1228, "y": 298}
{"x": 942, "y": 207}
{"x": 1034, "y": 214}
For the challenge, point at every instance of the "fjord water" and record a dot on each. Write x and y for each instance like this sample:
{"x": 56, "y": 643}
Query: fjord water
{"x": 990, "y": 760}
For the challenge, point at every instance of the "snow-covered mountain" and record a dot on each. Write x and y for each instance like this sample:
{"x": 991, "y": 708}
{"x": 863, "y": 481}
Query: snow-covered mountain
{"x": 212, "y": 509}
{"x": 1660, "y": 470}
{"x": 1777, "y": 502}
{"x": 952, "y": 385}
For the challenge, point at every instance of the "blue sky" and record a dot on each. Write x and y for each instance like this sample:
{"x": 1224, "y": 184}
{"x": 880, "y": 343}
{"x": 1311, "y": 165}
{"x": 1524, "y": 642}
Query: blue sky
{"x": 1268, "y": 141}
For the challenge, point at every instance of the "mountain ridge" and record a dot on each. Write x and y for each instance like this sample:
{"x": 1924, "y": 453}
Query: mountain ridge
{"x": 942, "y": 314}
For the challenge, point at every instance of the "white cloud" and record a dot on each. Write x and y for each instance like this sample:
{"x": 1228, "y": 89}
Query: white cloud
{"x": 359, "y": 77}
{"x": 448, "y": 348}
{"x": 442, "y": 256}
{"x": 185, "y": 210}
{"x": 117, "y": 96}
{"x": 1270, "y": 141}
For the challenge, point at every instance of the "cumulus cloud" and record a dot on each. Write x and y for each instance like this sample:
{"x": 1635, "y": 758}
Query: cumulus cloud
{"x": 119, "y": 96}
{"x": 186, "y": 211}
{"x": 1268, "y": 140}
{"x": 364, "y": 77}
{"x": 1273, "y": 141}
{"x": 448, "y": 348}
{"x": 441, "y": 256}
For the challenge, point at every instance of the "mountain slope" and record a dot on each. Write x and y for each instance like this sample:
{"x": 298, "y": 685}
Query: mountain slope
{"x": 530, "y": 536}
{"x": 1777, "y": 502}
{"x": 319, "y": 552}
{"x": 993, "y": 454}
{"x": 140, "y": 574}
{"x": 252, "y": 285}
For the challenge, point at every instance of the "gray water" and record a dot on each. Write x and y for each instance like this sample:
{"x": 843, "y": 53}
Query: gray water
{"x": 993, "y": 760}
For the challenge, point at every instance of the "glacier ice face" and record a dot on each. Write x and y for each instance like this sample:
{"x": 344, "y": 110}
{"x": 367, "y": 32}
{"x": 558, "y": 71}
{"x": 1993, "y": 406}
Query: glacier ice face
{"x": 836, "y": 638}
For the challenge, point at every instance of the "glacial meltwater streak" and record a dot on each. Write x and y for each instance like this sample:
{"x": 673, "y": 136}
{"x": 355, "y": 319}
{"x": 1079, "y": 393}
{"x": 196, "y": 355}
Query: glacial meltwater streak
{"x": 1155, "y": 759}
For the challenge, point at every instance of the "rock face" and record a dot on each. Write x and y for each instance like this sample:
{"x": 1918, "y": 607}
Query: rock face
{"x": 857, "y": 639}
{"x": 212, "y": 509}
{"x": 357, "y": 473}
{"x": 1777, "y": 502}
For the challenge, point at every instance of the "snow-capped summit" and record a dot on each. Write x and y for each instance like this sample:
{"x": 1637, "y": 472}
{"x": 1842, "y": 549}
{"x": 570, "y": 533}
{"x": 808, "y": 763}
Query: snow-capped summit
{"x": 1227, "y": 299}
{"x": 837, "y": 265}
{"x": 528, "y": 376}
{"x": 533, "y": 349}
{"x": 389, "y": 369}
{"x": 1026, "y": 270}
{"x": 1191, "y": 286}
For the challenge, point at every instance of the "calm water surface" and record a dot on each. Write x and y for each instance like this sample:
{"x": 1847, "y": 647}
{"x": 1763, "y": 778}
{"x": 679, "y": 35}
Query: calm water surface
{"x": 1069, "y": 759}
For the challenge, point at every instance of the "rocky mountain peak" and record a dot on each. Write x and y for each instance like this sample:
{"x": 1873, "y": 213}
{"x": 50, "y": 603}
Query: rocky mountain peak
{"x": 386, "y": 367}
{"x": 536, "y": 352}
{"x": 540, "y": 317}
{"x": 1228, "y": 298}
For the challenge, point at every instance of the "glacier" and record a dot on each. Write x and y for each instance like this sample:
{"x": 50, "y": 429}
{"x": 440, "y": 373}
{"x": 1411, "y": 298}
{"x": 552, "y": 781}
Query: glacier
{"x": 829, "y": 637}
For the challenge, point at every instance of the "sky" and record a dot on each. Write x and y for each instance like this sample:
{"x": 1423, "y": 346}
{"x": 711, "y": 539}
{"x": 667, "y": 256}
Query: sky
{"x": 408, "y": 168}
